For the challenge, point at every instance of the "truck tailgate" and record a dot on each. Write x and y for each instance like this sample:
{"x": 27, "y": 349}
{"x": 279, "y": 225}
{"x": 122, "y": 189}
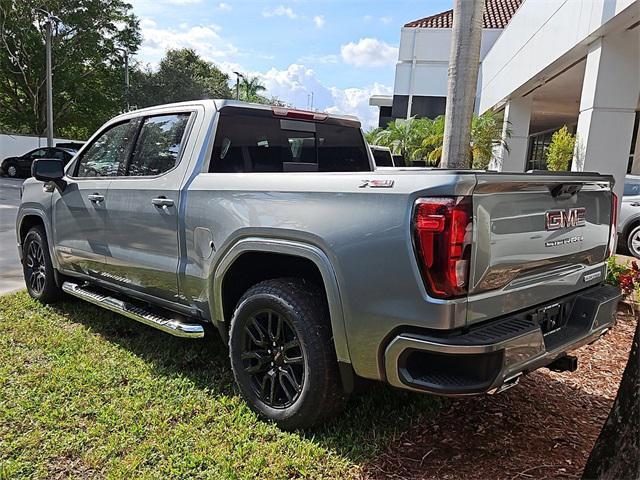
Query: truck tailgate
{"x": 537, "y": 237}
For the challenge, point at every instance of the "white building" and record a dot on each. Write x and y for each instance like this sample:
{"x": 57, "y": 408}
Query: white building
{"x": 556, "y": 62}
{"x": 568, "y": 62}
{"x": 420, "y": 87}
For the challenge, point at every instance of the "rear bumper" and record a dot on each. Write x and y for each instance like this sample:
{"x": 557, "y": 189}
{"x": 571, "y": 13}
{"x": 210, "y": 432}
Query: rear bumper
{"x": 491, "y": 356}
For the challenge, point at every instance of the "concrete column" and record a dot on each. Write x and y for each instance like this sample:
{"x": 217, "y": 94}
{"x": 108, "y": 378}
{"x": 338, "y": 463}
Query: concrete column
{"x": 517, "y": 116}
{"x": 610, "y": 93}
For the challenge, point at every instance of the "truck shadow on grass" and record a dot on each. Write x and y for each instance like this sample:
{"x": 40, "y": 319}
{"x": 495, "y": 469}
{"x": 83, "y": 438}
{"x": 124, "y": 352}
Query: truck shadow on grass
{"x": 375, "y": 415}
{"x": 544, "y": 424}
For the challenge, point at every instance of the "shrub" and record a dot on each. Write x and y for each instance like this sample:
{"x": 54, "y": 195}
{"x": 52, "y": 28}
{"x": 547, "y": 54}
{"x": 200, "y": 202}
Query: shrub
{"x": 627, "y": 277}
{"x": 560, "y": 151}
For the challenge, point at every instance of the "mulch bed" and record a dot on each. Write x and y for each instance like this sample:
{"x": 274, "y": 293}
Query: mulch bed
{"x": 543, "y": 428}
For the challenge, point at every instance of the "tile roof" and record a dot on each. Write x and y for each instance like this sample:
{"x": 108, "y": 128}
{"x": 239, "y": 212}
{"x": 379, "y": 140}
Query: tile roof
{"x": 496, "y": 15}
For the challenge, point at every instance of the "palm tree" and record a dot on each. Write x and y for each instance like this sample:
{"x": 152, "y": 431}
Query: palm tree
{"x": 430, "y": 148}
{"x": 463, "y": 78}
{"x": 404, "y": 136}
{"x": 486, "y": 135}
{"x": 372, "y": 134}
{"x": 251, "y": 88}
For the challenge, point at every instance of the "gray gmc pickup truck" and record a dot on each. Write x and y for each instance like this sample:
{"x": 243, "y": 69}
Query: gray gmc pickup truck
{"x": 273, "y": 226}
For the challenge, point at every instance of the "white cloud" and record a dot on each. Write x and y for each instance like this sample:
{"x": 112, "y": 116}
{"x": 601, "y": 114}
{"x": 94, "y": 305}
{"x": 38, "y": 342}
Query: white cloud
{"x": 367, "y": 18}
{"x": 355, "y": 101}
{"x": 295, "y": 83}
{"x": 225, "y": 7}
{"x": 204, "y": 39}
{"x": 280, "y": 11}
{"x": 386, "y": 20}
{"x": 319, "y": 21}
{"x": 369, "y": 52}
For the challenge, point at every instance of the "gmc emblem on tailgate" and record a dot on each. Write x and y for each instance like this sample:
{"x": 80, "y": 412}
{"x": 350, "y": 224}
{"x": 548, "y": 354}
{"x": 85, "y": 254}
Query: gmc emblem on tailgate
{"x": 557, "y": 219}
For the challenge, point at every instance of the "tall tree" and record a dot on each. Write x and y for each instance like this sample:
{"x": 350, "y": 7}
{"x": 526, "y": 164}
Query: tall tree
{"x": 463, "y": 77}
{"x": 87, "y": 65}
{"x": 182, "y": 75}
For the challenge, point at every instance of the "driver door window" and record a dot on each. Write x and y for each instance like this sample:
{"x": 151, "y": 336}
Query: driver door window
{"x": 106, "y": 156}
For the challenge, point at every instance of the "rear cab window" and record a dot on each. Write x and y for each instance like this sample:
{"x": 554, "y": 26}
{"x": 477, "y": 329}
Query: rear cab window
{"x": 256, "y": 140}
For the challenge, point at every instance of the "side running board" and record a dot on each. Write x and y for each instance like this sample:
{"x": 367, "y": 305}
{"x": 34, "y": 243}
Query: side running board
{"x": 172, "y": 326}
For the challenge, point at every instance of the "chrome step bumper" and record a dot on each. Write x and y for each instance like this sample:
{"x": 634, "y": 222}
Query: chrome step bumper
{"x": 172, "y": 326}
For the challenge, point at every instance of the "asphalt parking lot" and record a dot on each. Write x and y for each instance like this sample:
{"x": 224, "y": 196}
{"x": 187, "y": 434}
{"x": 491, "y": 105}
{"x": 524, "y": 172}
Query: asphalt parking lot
{"x": 10, "y": 269}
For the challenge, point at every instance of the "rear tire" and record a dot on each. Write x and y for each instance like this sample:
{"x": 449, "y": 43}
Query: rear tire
{"x": 282, "y": 354}
{"x": 633, "y": 241}
{"x": 38, "y": 267}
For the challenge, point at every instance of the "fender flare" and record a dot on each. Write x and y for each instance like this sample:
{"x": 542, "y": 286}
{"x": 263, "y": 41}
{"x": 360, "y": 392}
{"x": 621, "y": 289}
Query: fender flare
{"x": 35, "y": 212}
{"x": 297, "y": 249}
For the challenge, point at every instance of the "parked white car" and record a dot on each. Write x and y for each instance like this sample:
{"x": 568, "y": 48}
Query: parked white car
{"x": 629, "y": 222}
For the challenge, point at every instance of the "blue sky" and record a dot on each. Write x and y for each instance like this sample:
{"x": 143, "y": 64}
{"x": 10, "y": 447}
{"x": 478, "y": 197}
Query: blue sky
{"x": 342, "y": 51}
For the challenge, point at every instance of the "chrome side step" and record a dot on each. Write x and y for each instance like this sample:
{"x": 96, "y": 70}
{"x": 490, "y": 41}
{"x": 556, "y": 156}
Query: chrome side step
{"x": 172, "y": 326}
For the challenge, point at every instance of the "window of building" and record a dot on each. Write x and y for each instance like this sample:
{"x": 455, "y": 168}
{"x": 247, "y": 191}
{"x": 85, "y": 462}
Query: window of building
{"x": 158, "y": 146}
{"x": 538, "y": 146}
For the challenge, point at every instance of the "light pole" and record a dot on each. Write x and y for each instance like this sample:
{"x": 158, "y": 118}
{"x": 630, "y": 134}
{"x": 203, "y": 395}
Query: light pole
{"x": 238, "y": 76}
{"x": 49, "y": 78}
{"x": 125, "y": 52}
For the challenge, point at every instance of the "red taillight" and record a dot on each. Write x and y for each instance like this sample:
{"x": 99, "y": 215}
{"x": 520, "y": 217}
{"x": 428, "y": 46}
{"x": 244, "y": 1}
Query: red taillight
{"x": 443, "y": 239}
{"x": 299, "y": 114}
{"x": 614, "y": 225}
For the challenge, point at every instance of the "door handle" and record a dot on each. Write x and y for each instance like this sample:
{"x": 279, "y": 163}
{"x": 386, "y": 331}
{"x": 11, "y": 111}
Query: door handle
{"x": 163, "y": 202}
{"x": 96, "y": 198}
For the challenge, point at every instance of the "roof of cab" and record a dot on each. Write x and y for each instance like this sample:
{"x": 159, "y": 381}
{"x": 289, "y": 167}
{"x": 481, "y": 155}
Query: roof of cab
{"x": 221, "y": 103}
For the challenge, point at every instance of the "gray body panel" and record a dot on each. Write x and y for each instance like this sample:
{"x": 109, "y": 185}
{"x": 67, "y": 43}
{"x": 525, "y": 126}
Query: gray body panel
{"x": 360, "y": 238}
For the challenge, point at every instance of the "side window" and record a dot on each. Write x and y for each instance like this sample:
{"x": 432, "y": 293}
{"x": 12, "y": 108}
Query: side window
{"x": 58, "y": 154}
{"x": 40, "y": 153}
{"x": 158, "y": 146}
{"x": 631, "y": 189}
{"x": 105, "y": 157}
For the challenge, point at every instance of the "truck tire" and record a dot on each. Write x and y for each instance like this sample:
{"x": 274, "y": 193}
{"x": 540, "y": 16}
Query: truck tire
{"x": 282, "y": 354}
{"x": 38, "y": 267}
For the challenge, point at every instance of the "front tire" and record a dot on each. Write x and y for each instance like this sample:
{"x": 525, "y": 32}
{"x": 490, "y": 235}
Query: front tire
{"x": 282, "y": 354}
{"x": 38, "y": 267}
{"x": 633, "y": 241}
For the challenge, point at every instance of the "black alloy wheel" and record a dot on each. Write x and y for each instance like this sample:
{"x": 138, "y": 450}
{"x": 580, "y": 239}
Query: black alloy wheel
{"x": 273, "y": 357}
{"x": 35, "y": 267}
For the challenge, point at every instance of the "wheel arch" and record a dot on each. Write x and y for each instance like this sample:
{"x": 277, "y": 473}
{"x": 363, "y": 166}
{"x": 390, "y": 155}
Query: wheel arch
{"x": 27, "y": 219}
{"x": 303, "y": 255}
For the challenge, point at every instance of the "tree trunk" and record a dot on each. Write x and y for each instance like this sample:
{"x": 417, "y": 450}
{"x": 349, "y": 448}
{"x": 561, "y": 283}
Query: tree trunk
{"x": 463, "y": 79}
{"x": 616, "y": 454}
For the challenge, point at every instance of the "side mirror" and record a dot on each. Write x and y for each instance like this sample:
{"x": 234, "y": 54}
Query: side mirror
{"x": 49, "y": 170}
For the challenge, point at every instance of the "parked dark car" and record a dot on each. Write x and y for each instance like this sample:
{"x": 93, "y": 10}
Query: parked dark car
{"x": 21, "y": 166}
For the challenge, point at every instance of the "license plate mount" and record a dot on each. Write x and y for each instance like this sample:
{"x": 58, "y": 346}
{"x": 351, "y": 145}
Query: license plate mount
{"x": 551, "y": 318}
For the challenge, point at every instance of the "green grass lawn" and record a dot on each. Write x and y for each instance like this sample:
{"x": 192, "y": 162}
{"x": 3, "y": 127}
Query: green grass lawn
{"x": 85, "y": 393}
